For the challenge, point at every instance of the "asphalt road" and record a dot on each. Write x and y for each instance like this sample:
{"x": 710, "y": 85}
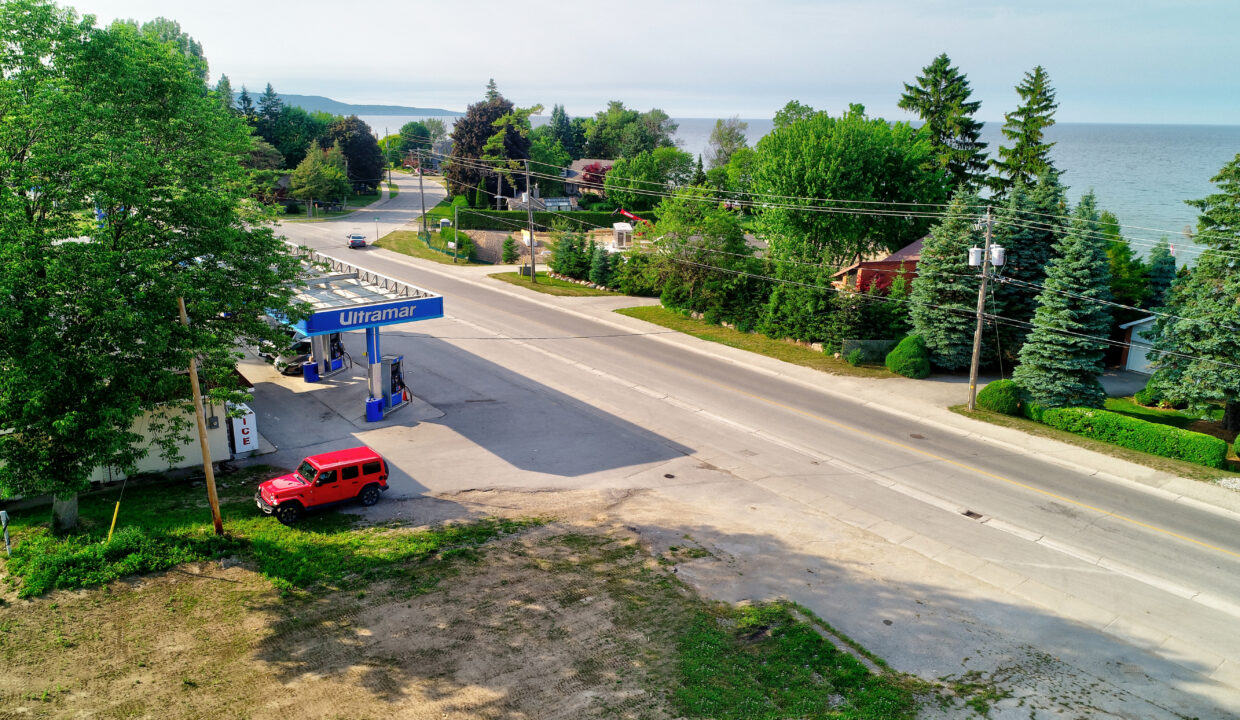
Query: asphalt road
{"x": 1109, "y": 555}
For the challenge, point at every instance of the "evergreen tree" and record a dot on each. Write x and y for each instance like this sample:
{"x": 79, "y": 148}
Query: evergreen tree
{"x": 1206, "y": 299}
{"x": 561, "y": 128}
{"x": 1029, "y": 155}
{"x": 699, "y": 174}
{"x": 470, "y": 135}
{"x": 269, "y": 105}
{"x": 1027, "y": 226}
{"x": 493, "y": 91}
{"x": 1161, "y": 274}
{"x": 1062, "y": 358}
{"x": 510, "y": 253}
{"x": 224, "y": 93}
{"x": 245, "y": 106}
{"x": 481, "y": 199}
{"x": 944, "y": 297}
{"x": 600, "y": 266}
{"x": 941, "y": 98}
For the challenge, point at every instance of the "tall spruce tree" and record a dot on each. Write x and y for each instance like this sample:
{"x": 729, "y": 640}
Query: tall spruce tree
{"x": 562, "y": 131}
{"x": 1161, "y": 273}
{"x": 941, "y": 98}
{"x": 1028, "y": 225}
{"x": 1207, "y": 303}
{"x": 224, "y": 93}
{"x": 1026, "y": 126}
{"x": 269, "y": 106}
{"x": 245, "y": 106}
{"x": 1062, "y": 358}
{"x": 944, "y": 298}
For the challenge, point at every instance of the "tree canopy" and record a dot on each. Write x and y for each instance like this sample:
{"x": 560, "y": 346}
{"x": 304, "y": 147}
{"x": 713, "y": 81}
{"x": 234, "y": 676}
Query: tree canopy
{"x": 621, "y": 132}
{"x": 360, "y": 148}
{"x": 726, "y": 138}
{"x": 89, "y": 336}
{"x": 635, "y": 184}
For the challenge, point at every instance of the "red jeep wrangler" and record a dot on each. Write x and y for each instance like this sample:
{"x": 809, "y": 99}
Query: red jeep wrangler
{"x": 321, "y": 480}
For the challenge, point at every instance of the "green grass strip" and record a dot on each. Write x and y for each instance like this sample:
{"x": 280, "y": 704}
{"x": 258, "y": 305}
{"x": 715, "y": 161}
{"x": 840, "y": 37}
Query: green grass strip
{"x": 752, "y": 342}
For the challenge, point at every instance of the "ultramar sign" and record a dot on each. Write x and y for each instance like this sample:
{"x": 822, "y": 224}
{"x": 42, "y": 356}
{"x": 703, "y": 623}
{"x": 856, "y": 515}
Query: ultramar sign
{"x": 356, "y": 318}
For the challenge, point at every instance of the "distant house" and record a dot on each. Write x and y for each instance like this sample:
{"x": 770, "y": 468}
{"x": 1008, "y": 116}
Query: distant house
{"x": 1135, "y": 356}
{"x": 879, "y": 269}
{"x": 586, "y": 175}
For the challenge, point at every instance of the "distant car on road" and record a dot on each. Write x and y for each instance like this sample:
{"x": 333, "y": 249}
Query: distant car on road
{"x": 356, "y": 240}
{"x": 321, "y": 480}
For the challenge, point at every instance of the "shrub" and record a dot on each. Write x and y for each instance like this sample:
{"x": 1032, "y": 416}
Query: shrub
{"x": 909, "y": 358}
{"x": 1001, "y": 396}
{"x": 1129, "y": 432}
{"x": 856, "y": 357}
{"x": 1032, "y": 410}
{"x": 1147, "y": 396}
{"x": 292, "y": 209}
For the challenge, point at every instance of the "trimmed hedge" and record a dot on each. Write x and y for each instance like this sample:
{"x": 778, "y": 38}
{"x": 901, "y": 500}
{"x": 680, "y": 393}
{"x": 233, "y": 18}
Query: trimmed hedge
{"x": 910, "y": 358}
{"x": 1001, "y": 396}
{"x": 514, "y": 220}
{"x": 1129, "y": 432}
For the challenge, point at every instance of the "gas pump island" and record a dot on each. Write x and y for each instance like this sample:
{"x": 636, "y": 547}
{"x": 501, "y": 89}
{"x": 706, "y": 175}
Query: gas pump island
{"x": 355, "y": 300}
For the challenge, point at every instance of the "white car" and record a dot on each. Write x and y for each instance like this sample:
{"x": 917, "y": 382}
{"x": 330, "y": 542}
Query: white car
{"x": 356, "y": 240}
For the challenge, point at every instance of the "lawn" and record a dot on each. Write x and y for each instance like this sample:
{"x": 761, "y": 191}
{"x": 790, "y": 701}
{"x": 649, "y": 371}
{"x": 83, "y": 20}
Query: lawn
{"x": 753, "y": 342}
{"x": 549, "y": 285}
{"x": 1175, "y": 467}
{"x": 408, "y": 243}
{"x": 381, "y": 619}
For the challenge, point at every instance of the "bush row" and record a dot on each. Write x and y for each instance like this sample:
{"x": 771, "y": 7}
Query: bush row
{"x": 1129, "y": 432}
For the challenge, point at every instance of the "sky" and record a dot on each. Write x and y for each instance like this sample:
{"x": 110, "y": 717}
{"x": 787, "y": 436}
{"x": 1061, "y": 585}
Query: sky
{"x": 1110, "y": 61}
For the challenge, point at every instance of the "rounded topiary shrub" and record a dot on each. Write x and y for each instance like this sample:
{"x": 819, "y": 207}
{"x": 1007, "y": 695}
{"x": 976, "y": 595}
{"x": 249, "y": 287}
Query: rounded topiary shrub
{"x": 910, "y": 358}
{"x": 1001, "y": 396}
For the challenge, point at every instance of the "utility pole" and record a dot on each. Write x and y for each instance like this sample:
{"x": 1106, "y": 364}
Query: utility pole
{"x": 207, "y": 470}
{"x": 529, "y": 209}
{"x": 422, "y": 192}
{"x": 981, "y": 313}
{"x": 456, "y": 229}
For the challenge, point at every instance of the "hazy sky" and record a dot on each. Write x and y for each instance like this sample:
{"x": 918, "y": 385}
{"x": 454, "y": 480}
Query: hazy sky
{"x": 1155, "y": 61}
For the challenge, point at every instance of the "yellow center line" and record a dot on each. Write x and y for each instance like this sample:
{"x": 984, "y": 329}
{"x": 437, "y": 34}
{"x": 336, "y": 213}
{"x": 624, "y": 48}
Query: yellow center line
{"x": 940, "y": 458}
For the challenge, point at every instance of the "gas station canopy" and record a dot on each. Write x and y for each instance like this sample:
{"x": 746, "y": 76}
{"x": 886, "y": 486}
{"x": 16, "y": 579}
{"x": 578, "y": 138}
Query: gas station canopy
{"x": 355, "y": 299}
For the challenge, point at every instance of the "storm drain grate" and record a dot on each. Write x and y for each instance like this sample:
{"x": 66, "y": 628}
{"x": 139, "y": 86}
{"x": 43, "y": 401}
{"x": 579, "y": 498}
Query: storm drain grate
{"x": 971, "y": 514}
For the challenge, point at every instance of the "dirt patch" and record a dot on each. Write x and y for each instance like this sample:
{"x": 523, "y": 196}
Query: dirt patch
{"x": 569, "y": 620}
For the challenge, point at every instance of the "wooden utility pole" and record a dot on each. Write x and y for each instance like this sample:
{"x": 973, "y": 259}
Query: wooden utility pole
{"x": 981, "y": 315}
{"x": 422, "y": 192}
{"x": 529, "y": 210}
{"x": 207, "y": 470}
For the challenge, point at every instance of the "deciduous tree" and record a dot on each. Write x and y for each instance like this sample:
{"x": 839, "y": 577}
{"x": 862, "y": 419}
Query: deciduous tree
{"x": 89, "y": 337}
{"x": 469, "y": 136}
{"x": 361, "y": 150}
{"x": 726, "y": 138}
{"x": 854, "y": 157}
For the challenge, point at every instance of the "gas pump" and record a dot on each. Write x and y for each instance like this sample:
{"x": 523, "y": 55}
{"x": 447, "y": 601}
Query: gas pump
{"x": 329, "y": 354}
{"x": 392, "y": 382}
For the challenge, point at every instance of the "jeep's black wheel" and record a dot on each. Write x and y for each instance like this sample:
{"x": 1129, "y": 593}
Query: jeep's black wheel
{"x": 288, "y": 513}
{"x": 369, "y": 495}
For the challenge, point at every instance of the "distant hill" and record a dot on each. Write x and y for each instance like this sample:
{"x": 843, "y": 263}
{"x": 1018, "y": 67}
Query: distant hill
{"x": 318, "y": 103}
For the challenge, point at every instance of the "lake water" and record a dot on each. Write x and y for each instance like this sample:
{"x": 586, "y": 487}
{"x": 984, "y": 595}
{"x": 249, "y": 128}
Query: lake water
{"x": 1142, "y": 173}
